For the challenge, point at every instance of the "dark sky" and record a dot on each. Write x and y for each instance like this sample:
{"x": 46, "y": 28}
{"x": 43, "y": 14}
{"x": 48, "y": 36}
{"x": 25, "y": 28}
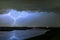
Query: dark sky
{"x": 43, "y": 5}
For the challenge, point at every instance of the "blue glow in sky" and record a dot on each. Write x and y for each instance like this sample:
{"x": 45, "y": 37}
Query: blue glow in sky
{"x": 28, "y": 18}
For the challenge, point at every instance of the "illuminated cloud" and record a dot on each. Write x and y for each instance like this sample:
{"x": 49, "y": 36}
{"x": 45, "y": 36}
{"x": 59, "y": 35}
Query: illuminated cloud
{"x": 6, "y": 21}
{"x": 16, "y": 18}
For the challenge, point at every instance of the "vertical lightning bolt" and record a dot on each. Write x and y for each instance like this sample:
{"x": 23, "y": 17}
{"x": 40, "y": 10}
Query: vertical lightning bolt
{"x": 13, "y": 24}
{"x": 13, "y": 16}
{"x": 10, "y": 13}
{"x": 14, "y": 20}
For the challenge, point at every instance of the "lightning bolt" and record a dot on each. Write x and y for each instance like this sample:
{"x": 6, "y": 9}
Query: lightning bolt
{"x": 14, "y": 15}
{"x": 11, "y": 14}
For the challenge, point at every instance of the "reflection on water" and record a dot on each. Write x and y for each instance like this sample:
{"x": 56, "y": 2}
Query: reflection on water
{"x": 21, "y": 34}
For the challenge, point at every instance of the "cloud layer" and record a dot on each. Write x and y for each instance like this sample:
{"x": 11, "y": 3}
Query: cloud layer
{"x": 29, "y": 18}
